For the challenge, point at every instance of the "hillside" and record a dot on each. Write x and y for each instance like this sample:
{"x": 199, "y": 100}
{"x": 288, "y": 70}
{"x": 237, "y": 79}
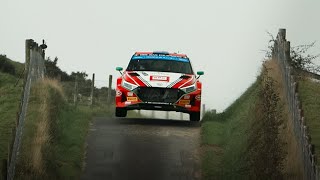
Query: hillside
{"x": 10, "y": 93}
{"x": 253, "y": 135}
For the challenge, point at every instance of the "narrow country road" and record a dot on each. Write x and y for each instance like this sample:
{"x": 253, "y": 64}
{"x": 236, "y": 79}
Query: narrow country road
{"x": 142, "y": 149}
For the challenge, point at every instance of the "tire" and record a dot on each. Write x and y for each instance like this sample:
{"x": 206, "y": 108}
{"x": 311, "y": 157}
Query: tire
{"x": 195, "y": 116}
{"x": 121, "y": 112}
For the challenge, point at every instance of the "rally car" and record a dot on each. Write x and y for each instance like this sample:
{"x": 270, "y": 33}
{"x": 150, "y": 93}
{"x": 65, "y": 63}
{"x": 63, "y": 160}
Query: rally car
{"x": 159, "y": 81}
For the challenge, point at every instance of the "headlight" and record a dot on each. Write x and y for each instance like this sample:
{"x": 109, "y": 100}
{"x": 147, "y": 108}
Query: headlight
{"x": 190, "y": 89}
{"x": 128, "y": 85}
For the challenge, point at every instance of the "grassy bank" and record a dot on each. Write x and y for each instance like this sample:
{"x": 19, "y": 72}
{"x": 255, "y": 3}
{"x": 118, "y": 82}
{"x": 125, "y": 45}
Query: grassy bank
{"x": 309, "y": 91}
{"x": 252, "y": 138}
{"x": 10, "y": 93}
{"x": 53, "y": 144}
{"x": 9, "y": 104}
{"x": 54, "y": 137}
{"x": 224, "y": 138}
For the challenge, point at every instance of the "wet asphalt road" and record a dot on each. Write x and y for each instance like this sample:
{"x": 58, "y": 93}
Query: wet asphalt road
{"x": 142, "y": 149}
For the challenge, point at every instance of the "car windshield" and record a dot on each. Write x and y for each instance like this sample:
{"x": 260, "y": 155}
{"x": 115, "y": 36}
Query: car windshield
{"x": 160, "y": 65}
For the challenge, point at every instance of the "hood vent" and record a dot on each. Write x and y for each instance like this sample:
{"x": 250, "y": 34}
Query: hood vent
{"x": 133, "y": 74}
{"x": 185, "y": 77}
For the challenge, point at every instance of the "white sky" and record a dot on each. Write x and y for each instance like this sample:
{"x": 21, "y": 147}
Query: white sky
{"x": 223, "y": 38}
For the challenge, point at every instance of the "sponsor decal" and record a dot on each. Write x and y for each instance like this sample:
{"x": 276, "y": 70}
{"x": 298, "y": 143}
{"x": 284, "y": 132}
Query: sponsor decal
{"x": 198, "y": 97}
{"x": 118, "y": 93}
{"x": 144, "y": 73}
{"x": 187, "y": 106}
{"x": 186, "y": 97}
{"x": 159, "y": 78}
{"x": 163, "y": 57}
{"x": 132, "y": 99}
{"x": 129, "y": 93}
{"x": 184, "y": 102}
{"x": 127, "y": 102}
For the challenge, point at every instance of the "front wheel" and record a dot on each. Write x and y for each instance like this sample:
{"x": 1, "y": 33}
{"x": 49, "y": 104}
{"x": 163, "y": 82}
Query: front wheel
{"x": 121, "y": 112}
{"x": 195, "y": 116}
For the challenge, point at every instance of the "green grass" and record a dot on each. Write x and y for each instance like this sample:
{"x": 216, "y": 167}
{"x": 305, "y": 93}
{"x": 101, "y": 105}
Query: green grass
{"x": 69, "y": 147}
{"x": 9, "y": 104}
{"x": 309, "y": 92}
{"x": 224, "y": 139}
{"x": 63, "y": 154}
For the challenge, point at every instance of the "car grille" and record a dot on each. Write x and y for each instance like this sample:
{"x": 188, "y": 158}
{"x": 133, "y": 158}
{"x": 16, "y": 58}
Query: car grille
{"x": 160, "y": 95}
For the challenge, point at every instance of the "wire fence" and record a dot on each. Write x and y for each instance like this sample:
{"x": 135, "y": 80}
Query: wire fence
{"x": 281, "y": 53}
{"x": 34, "y": 70}
{"x": 82, "y": 91}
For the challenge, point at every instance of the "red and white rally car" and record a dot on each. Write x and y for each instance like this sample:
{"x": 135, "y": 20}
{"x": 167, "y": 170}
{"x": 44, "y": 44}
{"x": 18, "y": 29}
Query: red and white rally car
{"x": 159, "y": 81}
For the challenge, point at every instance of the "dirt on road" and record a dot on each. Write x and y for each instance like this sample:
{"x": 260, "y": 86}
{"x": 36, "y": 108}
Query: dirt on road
{"x": 123, "y": 149}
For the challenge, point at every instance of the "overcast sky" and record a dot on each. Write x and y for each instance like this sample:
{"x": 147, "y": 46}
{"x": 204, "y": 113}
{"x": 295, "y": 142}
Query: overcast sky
{"x": 222, "y": 38}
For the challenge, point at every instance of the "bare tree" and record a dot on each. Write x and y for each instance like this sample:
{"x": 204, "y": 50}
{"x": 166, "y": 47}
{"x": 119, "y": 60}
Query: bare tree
{"x": 300, "y": 58}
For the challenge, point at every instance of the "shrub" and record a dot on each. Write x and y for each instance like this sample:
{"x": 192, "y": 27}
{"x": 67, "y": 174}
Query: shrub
{"x": 6, "y": 66}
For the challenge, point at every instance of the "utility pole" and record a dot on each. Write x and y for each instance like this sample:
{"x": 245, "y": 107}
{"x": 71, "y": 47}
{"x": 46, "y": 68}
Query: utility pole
{"x": 92, "y": 87}
{"x": 75, "y": 95}
{"x": 109, "y": 90}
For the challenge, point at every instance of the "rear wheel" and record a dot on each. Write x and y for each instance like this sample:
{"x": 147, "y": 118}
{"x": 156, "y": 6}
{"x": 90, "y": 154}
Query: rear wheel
{"x": 121, "y": 112}
{"x": 195, "y": 116}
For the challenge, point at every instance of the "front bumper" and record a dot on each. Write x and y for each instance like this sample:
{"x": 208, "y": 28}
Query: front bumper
{"x": 188, "y": 103}
{"x": 160, "y": 107}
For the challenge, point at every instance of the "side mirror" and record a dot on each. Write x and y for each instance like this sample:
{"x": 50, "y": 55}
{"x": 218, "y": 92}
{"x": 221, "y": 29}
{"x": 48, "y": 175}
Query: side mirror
{"x": 119, "y": 68}
{"x": 200, "y": 73}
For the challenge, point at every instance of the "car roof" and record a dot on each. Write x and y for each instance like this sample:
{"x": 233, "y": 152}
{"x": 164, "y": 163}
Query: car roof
{"x": 165, "y": 53}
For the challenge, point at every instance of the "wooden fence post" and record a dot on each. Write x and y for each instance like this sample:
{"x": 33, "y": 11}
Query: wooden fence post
{"x": 92, "y": 88}
{"x": 75, "y": 96}
{"x": 109, "y": 89}
{"x": 203, "y": 109}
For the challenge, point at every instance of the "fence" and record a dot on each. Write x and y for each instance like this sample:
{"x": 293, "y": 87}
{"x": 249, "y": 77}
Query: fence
{"x": 281, "y": 53}
{"x": 82, "y": 91}
{"x": 34, "y": 70}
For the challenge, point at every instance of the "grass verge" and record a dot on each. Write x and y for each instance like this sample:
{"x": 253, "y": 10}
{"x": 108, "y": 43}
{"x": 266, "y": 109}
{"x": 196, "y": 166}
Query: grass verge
{"x": 54, "y": 134}
{"x": 253, "y": 138}
{"x": 9, "y": 104}
{"x": 309, "y": 92}
{"x": 224, "y": 139}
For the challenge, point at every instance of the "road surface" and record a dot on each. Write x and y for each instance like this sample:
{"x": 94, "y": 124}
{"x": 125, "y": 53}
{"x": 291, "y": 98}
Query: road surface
{"x": 150, "y": 149}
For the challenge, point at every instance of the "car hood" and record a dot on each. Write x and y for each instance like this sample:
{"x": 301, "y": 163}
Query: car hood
{"x": 159, "y": 79}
